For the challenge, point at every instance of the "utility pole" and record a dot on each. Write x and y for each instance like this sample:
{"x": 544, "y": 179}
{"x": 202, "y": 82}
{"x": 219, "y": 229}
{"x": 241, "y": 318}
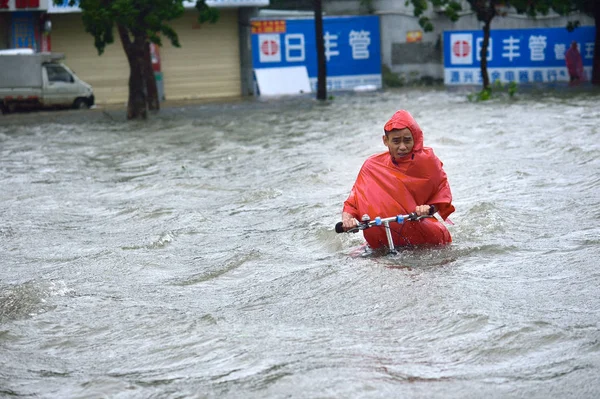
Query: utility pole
{"x": 321, "y": 64}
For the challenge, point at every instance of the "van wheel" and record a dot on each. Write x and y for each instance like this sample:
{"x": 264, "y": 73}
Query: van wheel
{"x": 81, "y": 103}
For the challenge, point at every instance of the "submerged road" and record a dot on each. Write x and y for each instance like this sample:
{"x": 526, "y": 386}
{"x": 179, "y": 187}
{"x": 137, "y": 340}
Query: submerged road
{"x": 194, "y": 255}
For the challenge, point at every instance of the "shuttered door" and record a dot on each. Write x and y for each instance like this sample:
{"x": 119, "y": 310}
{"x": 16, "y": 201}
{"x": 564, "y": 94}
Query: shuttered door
{"x": 207, "y": 65}
{"x": 108, "y": 74}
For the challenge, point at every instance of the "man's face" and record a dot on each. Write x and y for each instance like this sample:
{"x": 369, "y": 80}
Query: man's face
{"x": 399, "y": 141}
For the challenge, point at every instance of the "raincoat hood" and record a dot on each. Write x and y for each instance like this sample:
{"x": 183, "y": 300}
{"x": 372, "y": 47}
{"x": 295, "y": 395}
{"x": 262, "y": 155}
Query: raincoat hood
{"x": 403, "y": 119}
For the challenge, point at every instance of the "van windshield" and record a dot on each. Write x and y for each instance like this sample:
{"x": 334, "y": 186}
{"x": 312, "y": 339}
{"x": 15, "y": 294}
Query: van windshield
{"x": 57, "y": 73}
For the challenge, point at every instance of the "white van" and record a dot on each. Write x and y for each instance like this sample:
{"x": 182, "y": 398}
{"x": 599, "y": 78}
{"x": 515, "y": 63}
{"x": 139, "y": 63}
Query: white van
{"x": 30, "y": 79}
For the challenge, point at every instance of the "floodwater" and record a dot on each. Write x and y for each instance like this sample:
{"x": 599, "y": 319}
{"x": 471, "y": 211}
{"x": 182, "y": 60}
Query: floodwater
{"x": 194, "y": 256}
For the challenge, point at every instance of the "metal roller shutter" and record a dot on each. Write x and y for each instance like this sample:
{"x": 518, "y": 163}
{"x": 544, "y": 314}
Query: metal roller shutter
{"x": 108, "y": 74}
{"x": 207, "y": 65}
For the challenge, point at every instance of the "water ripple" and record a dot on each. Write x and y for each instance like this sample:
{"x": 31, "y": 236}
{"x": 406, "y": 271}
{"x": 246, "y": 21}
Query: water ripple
{"x": 195, "y": 254}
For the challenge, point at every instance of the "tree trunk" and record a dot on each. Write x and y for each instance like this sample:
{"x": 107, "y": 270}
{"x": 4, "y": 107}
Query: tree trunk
{"x": 151, "y": 89}
{"x": 484, "y": 49}
{"x": 596, "y": 63}
{"x": 136, "y": 104}
{"x": 321, "y": 63}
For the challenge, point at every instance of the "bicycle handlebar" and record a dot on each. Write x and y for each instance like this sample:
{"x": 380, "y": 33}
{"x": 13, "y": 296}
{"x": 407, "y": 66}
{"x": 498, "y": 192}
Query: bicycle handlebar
{"x": 378, "y": 221}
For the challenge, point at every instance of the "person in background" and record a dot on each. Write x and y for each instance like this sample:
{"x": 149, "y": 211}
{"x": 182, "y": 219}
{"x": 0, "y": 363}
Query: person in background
{"x": 574, "y": 64}
{"x": 407, "y": 178}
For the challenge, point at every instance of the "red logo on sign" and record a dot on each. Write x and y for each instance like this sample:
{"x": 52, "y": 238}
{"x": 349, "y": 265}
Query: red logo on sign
{"x": 269, "y": 47}
{"x": 461, "y": 48}
{"x": 27, "y": 3}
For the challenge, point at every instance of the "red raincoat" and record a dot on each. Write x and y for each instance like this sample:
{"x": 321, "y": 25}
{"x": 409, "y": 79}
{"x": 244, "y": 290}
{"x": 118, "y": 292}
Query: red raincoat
{"x": 574, "y": 63}
{"x": 386, "y": 187}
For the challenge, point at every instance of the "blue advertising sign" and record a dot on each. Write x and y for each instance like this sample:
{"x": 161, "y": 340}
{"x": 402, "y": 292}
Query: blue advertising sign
{"x": 23, "y": 30}
{"x": 515, "y": 55}
{"x": 352, "y": 48}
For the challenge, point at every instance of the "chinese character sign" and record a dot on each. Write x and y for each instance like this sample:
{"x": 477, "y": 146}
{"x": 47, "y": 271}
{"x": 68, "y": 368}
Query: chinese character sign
{"x": 515, "y": 55}
{"x": 352, "y": 48}
{"x": 268, "y": 26}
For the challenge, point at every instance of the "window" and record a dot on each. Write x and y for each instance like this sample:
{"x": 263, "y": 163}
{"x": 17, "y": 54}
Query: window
{"x": 57, "y": 73}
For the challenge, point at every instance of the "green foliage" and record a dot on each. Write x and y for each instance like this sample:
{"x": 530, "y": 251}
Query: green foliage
{"x": 567, "y": 7}
{"x": 487, "y": 10}
{"x": 497, "y": 89}
{"x": 367, "y": 5}
{"x": 483, "y": 95}
{"x": 149, "y": 18}
{"x": 512, "y": 88}
{"x": 572, "y": 25}
{"x": 389, "y": 78}
{"x": 206, "y": 13}
{"x": 451, "y": 9}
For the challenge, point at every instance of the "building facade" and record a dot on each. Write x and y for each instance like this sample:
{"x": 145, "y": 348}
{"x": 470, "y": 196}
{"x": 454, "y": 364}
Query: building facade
{"x": 209, "y": 64}
{"x": 215, "y": 60}
{"x": 413, "y": 54}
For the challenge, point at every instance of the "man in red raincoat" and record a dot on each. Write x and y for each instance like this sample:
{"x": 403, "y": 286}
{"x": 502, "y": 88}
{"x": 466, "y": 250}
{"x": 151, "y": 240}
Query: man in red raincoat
{"x": 574, "y": 64}
{"x": 407, "y": 178}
